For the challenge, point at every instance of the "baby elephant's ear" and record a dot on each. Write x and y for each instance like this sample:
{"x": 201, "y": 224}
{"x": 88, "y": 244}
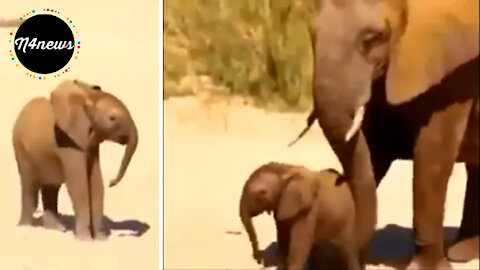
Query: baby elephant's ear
{"x": 70, "y": 105}
{"x": 297, "y": 196}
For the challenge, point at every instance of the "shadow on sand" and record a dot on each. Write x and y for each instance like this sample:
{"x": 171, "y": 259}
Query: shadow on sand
{"x": 326, "y": 257}
{"x": 391, "y": 245}
{"x": 128, "y": 227}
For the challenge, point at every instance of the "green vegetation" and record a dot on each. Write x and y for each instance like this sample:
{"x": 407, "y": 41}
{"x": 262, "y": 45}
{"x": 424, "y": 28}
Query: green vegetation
{"x": 257, "y": 48}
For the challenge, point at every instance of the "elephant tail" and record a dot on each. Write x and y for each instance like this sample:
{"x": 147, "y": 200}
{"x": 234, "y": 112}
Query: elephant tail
{"x": 311, "y": 118}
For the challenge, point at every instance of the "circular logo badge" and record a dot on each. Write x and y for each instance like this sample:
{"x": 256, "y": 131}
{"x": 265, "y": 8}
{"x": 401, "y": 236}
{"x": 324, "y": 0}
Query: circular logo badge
{"x": 44, "y": 43}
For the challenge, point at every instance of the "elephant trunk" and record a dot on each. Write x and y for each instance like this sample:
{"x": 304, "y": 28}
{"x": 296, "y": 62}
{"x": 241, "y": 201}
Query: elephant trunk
{"x": 246, "y": 218}
{"x": 127, "y": 156}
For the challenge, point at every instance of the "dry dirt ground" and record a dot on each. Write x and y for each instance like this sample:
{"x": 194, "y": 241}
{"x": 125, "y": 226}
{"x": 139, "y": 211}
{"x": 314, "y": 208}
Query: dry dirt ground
{"x": 120, "y": 52}
{"x": 207, "y": 162}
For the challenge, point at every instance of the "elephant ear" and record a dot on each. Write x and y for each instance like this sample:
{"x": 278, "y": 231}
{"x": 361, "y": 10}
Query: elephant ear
{"x": 72, "y": 109}
{"x": 438, "y": 37}
{"x": 297, "y": 196}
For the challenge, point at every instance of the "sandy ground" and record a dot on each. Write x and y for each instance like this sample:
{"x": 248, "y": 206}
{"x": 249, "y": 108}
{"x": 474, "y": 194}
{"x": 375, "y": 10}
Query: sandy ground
{"x": 207, "y": 162}
{"x": 120, "y": 52}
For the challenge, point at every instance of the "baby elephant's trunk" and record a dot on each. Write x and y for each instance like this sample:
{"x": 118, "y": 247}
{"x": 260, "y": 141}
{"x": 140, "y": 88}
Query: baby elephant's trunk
{"x": 127, "y": 156}
{"x": 247, "y": 223}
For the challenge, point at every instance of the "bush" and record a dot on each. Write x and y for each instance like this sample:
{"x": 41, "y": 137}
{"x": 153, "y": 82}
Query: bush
{"x": 259, "y": 48}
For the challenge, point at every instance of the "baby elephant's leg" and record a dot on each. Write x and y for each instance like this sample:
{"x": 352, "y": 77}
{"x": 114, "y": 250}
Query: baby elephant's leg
{"x": 97, "y": 192}
{"x": 283, "y": 240}
{"x": 30, "y": 189}
{"x": 302, "y": 238}
{"x": 346, "y": 245}
{"x": 50, "y": 208}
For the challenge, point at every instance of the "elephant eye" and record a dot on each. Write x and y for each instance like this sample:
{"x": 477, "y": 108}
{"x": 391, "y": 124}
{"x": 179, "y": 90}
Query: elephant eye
{"x": 374, "y": 44}
{"x": 372, "y": 38}
{"x": 112, "y": 118}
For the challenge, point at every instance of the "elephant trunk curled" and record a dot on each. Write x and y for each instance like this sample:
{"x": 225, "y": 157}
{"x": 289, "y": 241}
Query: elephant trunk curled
{"x": 130, "y": 148}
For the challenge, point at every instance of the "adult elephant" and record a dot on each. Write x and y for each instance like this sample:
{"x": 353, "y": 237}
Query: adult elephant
{"x": 427, "y": 52}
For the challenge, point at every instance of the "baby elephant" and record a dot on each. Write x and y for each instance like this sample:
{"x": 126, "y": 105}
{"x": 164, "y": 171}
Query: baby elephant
{"x": 308, "y": 207}
{"x": 57, "y": 141}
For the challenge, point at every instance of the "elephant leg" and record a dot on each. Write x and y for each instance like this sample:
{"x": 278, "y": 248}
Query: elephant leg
{"x": 29, "y": 189}
{"x": 345, "y": 242}
{"x": 467, "y": 242}
{"x": 50, "y": 208}
{"x": 348, "y": 253}
{"x": 74, "y": 163}
{"x": 435, "y": 152}
{"x": 97, "y": 191}
{"x": 301, "y": 241}
{"x": 29, "y": 202}
{"x": 283, "y": 240}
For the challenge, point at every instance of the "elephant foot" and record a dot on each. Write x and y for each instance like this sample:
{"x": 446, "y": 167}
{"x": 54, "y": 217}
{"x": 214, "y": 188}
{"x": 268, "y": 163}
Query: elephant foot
{"x": 464, "y": 250}
{"x": 83, "y": 235}
{"x": 25, "y": 220}
{"x": 23, "y": 223}
{"x": 101, "y": 236}
{"x": 419, "y": 263}
{"x": 52, "y": 222}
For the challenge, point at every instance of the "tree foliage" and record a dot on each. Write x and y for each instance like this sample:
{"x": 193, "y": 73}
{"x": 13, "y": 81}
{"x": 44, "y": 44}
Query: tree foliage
{"x": 259, "y": 48}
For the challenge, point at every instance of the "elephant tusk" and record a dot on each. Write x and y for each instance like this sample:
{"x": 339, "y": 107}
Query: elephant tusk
{"x": 356, "y": 123}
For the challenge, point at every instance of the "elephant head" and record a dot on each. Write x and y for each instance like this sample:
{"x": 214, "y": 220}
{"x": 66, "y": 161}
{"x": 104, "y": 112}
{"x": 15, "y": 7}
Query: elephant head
{"x": 413, "y": 44}
{"x": 90, "y": 116}
{"x": 269, "y": 189}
